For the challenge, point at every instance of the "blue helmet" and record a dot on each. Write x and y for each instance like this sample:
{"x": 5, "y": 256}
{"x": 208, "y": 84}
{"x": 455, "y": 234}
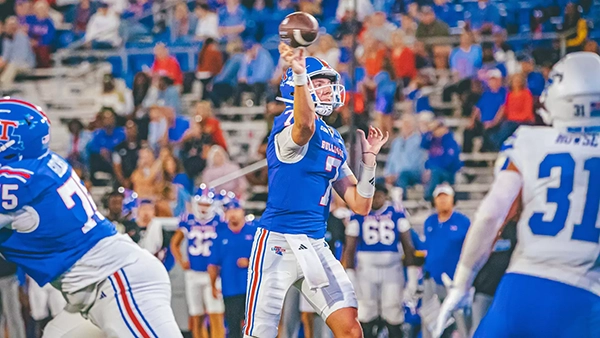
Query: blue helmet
{"x": 24, "y": 131}
{"x": 130, "y": 203}
{"x": 203, "y": 202}
{"x": 315, "y": 68}
{"x": 231, "y": 202}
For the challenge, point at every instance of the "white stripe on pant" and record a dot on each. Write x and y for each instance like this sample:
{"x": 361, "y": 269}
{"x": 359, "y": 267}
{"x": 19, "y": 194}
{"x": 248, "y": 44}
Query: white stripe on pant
{"x": 11, "y": 308}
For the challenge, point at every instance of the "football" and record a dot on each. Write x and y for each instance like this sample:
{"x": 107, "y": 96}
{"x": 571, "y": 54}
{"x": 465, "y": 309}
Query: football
{"x": 299, "y": 29}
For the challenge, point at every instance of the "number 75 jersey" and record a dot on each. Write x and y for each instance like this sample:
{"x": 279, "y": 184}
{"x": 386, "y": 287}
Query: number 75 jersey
{"x": 300, "y": 187}
{"x": 558, "y": 231}
{"x": 65, "y": 222}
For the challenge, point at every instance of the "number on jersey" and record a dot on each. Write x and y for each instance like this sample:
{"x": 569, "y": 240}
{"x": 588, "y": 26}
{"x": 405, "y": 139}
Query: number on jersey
{"x": 74, "y": 187}
{"x": 586, "y": 230}
{"x": 331, "y": 163}
{"x": 382, "y": 231}
{"x": 201, "y": 242}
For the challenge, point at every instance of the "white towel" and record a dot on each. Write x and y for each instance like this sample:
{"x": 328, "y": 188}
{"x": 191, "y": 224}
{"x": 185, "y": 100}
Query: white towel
{"x": 309, "y": 261}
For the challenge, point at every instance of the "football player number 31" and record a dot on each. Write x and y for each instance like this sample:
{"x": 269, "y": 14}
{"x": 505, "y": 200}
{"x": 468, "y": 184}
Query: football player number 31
{"x": 586, "y": 230}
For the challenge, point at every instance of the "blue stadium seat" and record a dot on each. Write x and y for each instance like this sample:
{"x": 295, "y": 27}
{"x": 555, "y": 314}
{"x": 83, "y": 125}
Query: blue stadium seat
{"x": 137, "y": 62}
{"x": 117, "y": 65}
{"x": 183, "y": 60}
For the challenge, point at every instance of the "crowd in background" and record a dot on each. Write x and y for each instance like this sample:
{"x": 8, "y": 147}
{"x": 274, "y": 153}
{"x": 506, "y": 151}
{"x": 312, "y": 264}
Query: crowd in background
{"x": 148, "y": 140}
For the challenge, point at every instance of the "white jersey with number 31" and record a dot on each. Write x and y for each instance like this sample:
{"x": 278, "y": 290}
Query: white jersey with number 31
{"x": 558, "y": 231}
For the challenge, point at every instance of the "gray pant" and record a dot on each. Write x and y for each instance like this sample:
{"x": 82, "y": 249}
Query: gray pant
{"x": 11, "y": 308}
{"x": 481, "y": 305}
{"x": 462, "y": 321}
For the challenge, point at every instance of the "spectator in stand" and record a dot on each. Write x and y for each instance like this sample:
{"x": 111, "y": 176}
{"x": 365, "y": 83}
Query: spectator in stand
{"x": 103, "y": 29}
{"x": 409, "y": 26}
{"x": 430, "y": 26}
{"x": 147, "y": 211}
{"x": 124, "y": 225}
{"x": 166, "y": 65}
{"x": 41, "y": 33}
{"x": 466, "y": 59}
{"x": 125, "y": 155}
{"x": 418, "y": 92}
{"x": 225, "y": 81}
{"x": 445, "y": 232}
{"x": 488, "y": 62}
{"x": 17, "y": 55}
{"x": 194, "y": 148}
{"x": 78, "y": 140}
{"x": 208, "y": 22}
{"x": 83, "y": 12}
{"x": 327, "y": 50}
{"x": 138, "y": 20}
{"x": 210, "y": 63}
{"x": 403, "y": 58}
{"x": 422, "y": 58}
{"x": 573, "y": 20}
{"x": 164, "y": 93}
{"x": 141, "y": 87}
{"x": 158, "y": 128}
{"x": 446, "y": 12}
{"x": 11, "y": 305}
{"x": 379, "y": 27}
{"x": 229, "y": 259}
{"x": 232, "y": 19}
{"x": 406, "y": 159}
{"x": 183, "y": 25}
{"x": 346, "y": 8}
{"x": 503, "y": 53}
{"x": 371, "y": 55}
{"x": 491, "y": 102}
{"x": 218, "y": 165}
{"x": 118, "y": 99}
{"x": 23, "y": 9}
{"x": 517, "y": 110}
{"x": 209, "y": 124}
{"x": 535, "y": 80}
{"x": 385, "y": 93}
{"x": 173, "y": 196}
{"x": 444, "y": 157}
{"x": 484, "y": 18}
{"x": 103, "y": 143}
{"x": 146, "y": 179}
{"x": 254, "y": 74}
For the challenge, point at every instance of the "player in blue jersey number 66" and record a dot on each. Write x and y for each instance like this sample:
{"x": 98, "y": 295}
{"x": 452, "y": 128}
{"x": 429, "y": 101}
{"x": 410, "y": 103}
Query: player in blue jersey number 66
{"x": 306, "y": 159}
{"x": 51, "y": 228}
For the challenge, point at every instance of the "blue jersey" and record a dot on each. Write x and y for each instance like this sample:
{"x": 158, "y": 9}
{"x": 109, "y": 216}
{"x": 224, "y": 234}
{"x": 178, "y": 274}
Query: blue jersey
{"x": 200, "y": 235}
{"x": 379, "y": 230}
{"x": 300, "y": 192}
{"x": 69, "y": 222}
{"x": 228, "y": 248}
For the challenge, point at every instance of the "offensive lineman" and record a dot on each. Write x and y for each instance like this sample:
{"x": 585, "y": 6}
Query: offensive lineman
{"x": 50, "y": 226}
{"x": 306, "y": 158}
{"x": 552, "y": 285}
{"x": 379, "y": 271}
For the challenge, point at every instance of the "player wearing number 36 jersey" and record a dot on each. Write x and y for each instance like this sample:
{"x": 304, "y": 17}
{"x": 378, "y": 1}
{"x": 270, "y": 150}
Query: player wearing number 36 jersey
{"x": 552, "y": 285}
{"x": 306, "y": 160}
{"x": 51, "y": 228}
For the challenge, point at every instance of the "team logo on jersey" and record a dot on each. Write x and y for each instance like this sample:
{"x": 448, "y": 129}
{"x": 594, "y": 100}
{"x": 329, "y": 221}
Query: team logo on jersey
{"x": 453, "y": 228}
{"x": 595, "y": 109}
{"x": 278, "y": 250}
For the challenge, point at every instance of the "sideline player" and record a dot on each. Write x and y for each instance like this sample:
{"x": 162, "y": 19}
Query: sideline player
{"x": 51, "y": 227}
{"x": 200, "y": 229}
{"x": 379, "y": 272}
{"x": 306, "y": 159}
{"x": 552, "y": 285}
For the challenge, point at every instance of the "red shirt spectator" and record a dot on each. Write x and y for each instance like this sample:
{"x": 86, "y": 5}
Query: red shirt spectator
{"x": 519, "y": 102}
{"x": 209, "y": 124}
{"x": 165, "y": 64}
{"x": 403, "y": 58}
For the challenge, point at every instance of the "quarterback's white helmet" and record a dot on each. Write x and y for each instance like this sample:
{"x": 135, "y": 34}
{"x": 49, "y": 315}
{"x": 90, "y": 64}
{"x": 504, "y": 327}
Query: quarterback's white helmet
{"x": 571, "y": 99}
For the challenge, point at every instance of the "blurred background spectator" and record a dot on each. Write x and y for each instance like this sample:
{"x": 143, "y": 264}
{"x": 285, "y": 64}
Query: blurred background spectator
{"x": 41, "y": 32}
{"x": 208, "y": 23}
{"x": 218, "y": 165}
{"x": 254, "y": 74}
{"x": 16, "y": 53}
{"x": 102, "y": 31}
{"x": 103, "y": 142}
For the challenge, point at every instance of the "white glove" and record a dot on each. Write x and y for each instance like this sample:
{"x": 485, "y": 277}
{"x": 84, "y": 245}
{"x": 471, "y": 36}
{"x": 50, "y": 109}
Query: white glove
{"x": 457, "y": 298}
{"x": 25, "y": 220}
{"x": 412, "y": 284}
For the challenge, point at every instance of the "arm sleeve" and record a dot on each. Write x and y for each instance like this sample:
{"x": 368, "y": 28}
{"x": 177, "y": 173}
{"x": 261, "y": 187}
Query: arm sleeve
{"x": 285, "y": 147}
{"x": 403, "y": 224}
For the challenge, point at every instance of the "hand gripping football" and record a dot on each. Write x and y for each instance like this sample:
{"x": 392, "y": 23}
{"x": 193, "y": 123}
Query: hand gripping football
{"x": 299, "y": 29}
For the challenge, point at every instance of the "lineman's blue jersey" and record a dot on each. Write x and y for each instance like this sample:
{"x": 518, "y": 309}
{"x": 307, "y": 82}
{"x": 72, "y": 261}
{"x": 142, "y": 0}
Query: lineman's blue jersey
{"x": 379, "y": 230}
{"x": 69, "y": 222}
{"x": 200, "y": 235}
{"x": 300, "y": 190}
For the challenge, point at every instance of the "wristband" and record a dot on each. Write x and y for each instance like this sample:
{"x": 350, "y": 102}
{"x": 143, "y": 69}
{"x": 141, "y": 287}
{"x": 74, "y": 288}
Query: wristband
{"x": 300, "y": 79}
{"x": 366, "y": 183}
